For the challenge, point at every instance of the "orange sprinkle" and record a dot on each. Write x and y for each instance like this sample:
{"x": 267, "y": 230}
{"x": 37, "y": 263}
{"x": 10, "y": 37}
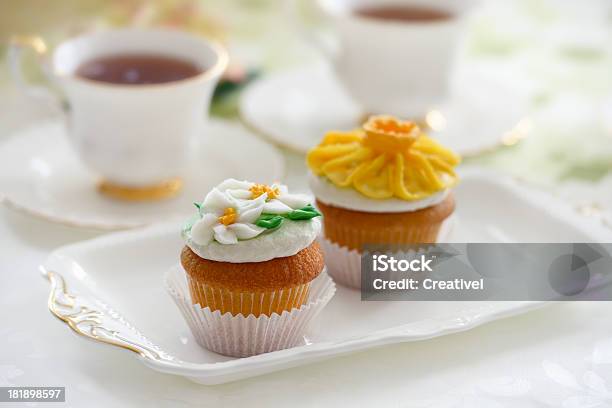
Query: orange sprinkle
{"x": 229, "y": 216}
{"x": 259, "y": 189}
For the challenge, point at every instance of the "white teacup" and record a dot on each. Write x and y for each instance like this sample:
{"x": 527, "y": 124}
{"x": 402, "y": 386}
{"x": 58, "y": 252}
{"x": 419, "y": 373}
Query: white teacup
{"x": 134, "y": 136}
{"x": 394, "y": 67}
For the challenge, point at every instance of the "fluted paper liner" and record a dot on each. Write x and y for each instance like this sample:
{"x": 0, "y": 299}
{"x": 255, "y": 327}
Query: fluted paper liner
{"x": 344, "y": 264}
{"x": 240, "y": 336}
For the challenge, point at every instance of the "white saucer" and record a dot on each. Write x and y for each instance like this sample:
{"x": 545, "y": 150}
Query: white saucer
{"x": 39, "y": 173}
{"x": 295, "y": 108}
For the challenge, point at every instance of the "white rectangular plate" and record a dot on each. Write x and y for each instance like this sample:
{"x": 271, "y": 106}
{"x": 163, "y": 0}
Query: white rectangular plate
{"x": 111, "y": 289}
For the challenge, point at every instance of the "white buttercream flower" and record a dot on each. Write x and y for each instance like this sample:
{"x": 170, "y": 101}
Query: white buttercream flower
{"x": 230, "y": 210}
{"x": 227, "y": 219}
{"x": 293, "y": 201}
{"x": 279, "y": 201}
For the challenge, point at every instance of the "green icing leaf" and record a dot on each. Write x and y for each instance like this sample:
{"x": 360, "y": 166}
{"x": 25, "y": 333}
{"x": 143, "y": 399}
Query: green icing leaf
{"x": 269, "y": 221}
{"x": 305, "y": 213}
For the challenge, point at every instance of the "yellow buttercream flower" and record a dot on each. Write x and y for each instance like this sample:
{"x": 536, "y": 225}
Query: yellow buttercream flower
{"x": 385, "y": 158}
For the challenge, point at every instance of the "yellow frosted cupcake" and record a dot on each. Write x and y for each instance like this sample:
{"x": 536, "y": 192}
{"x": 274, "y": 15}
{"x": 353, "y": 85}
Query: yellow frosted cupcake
{"x": 386, "y": 183}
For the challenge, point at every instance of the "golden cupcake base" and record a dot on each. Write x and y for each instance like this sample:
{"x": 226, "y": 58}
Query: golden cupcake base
{"x": 253, "y": 288}
{"x": 247, "y": 303}
{"x": 355, "y": 229}
{"x": 161, "y": 191}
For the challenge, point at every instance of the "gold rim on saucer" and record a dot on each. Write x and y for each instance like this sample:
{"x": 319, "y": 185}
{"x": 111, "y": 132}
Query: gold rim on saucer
{"x": 161, "y": 191}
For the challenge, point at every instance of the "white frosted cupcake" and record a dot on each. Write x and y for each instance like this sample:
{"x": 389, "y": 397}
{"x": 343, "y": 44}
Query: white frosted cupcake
{"x": 252, "y": 241}
{"x": 251, "y": 254}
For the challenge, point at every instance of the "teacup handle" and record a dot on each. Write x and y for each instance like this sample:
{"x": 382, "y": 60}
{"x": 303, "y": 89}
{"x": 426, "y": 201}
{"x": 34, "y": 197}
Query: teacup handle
{"x": 325, "y": 44}
{"x": 17, "y": 46}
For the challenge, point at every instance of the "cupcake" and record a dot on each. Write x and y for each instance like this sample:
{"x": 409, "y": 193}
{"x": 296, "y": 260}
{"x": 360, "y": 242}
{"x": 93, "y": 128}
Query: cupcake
{"x": 251, "y": 249}
{"x": 250, "y": 261}
{"x": 386, "y": 183}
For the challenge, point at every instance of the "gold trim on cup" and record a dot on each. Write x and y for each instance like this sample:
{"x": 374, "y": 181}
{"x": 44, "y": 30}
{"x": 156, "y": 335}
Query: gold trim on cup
{"x": 161, "y": 191}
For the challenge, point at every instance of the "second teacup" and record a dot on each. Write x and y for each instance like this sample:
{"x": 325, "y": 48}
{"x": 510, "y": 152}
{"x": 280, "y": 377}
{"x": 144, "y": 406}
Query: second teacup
{"x": 395, "y": 56}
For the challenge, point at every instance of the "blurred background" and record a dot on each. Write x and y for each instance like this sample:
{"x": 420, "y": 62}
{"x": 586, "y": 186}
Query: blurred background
{"x": 558, "y": 52}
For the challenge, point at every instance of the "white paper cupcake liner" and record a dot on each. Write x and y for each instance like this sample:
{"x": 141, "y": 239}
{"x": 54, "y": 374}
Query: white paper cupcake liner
{"x": 344, "y": 265}
{"x": 239, "y": 336}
